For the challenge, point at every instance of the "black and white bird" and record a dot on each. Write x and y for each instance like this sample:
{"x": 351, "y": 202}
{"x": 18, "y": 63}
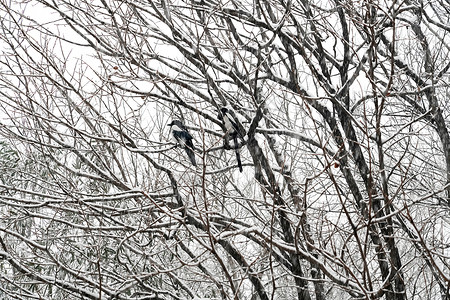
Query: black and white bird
{"x": 232, "y": 128}
{"x": 183, "y": 138}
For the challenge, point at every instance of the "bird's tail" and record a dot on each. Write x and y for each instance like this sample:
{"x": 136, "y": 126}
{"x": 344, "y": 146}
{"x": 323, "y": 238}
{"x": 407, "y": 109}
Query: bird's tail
{"x": 188, "y": 147}
{"x": 238, "y": 155}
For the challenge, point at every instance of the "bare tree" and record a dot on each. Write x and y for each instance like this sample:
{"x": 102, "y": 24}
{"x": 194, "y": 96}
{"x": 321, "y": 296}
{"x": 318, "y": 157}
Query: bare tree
{"x": 339, "y": 114}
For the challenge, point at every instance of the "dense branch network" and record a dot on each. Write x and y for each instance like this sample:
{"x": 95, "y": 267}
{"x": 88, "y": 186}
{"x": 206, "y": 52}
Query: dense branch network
{"x": 326, "y": 174}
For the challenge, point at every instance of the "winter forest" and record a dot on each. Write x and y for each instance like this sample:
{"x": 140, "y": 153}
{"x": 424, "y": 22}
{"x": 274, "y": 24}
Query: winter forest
{"x": 210, "y": 149}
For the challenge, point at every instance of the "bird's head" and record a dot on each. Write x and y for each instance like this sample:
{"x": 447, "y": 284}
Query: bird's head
{"x": 222, "y": 113}
{"x": 176, "y": 123}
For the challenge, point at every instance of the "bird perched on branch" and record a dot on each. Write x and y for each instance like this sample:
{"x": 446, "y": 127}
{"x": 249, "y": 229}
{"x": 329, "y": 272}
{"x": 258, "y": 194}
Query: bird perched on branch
{"x": 183, "y": 138}
{"x": 232, "y": 128}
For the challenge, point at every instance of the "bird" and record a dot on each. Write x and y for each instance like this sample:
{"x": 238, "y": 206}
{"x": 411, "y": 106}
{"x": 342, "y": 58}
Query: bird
{"x": 183, "y": 138}
{"x": 232, "y": 128}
